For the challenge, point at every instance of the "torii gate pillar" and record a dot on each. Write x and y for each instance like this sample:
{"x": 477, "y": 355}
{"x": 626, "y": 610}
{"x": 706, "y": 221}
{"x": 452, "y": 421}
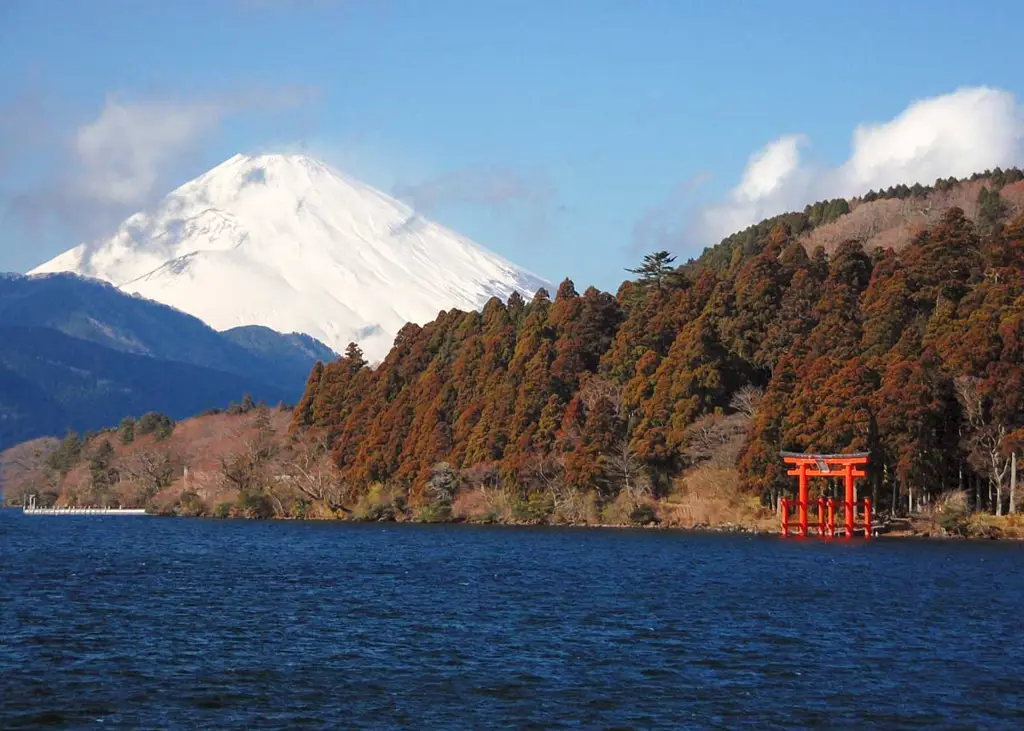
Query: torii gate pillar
{"x": 802, "y": 505}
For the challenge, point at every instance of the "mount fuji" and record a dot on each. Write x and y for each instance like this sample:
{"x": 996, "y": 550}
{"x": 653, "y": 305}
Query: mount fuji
{"x": 287, "y": 242}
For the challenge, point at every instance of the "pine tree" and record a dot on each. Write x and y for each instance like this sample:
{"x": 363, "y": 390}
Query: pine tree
{"x": 656, "y": 269}
{"x": 127, "y": 430}
{"x": 101, "y": 467}
{"x": 354, "y": 355}
{"x": 67, "y": 454}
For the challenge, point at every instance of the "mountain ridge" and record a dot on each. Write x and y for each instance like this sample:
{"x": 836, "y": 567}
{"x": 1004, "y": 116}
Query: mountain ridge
{"x": 97, "y": 311}
{"x": 78, "y": 351}
{"x": 51, "y": 382}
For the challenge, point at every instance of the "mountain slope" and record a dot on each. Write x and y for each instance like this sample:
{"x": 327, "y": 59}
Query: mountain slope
{"x": 913, "y": 353}
{"x": 292, "y": 353}
{"x": 98, "y": 312}
{"x": 673, "y": 395}
{"x": 51, "y": 382}
{"x": 286, "y": 242}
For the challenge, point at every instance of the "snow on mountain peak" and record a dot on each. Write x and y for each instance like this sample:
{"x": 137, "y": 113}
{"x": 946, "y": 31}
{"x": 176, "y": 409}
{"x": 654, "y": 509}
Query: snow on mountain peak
{"x": 288, "y": 242}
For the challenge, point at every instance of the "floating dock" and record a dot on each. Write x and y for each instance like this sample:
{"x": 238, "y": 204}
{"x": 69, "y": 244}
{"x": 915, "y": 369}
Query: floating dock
{"x": 32, "y": 509}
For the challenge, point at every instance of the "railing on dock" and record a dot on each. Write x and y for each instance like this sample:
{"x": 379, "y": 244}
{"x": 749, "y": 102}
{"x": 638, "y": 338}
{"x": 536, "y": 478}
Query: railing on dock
{"x": 31, "y": 508}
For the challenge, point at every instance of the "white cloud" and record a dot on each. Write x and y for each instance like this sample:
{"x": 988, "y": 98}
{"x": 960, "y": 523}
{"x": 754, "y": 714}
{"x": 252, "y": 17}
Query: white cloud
{"x": 130, "y": 153}
{"x": 770, "y": 169}
{"x": 966, "y": 131}
{"x": 121, "y": 155}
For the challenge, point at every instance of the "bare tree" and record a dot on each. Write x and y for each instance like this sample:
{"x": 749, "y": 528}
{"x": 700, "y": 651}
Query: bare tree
{"x": 310, "y": 469}
{"x": 248, "y": 469}
{"x": 22, "y": 472}
{"x": 746, "y": 400}
{"x": 151, "y": 470}
{"x": 567, "y": 501}
{"x": 443, "y": 482}
{"x": 596, "y": 389}
{"x": 984, "y": 439}
{"x": 715, "y": 439}
{"x": 1013, "y": 482}
{"x": 625, "y": 471}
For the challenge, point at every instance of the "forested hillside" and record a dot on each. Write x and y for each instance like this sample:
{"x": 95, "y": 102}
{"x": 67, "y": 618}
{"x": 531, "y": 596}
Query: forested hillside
{"x": 914, "y": 355}
{"x": 668, "y": 401}
{"x": 78, "y": 353}
{"x": 51, "y": 382}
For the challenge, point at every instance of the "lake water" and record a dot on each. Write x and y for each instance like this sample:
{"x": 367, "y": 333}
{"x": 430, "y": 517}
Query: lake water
{"x": 144, "y": 622}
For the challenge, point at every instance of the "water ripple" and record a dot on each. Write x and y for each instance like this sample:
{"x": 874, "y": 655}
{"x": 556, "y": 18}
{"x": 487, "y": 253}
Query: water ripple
{"x": 147, "y": 623}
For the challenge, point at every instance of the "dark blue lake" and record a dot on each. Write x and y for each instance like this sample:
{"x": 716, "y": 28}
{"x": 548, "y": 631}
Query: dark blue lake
{"x": 150, "y": 623}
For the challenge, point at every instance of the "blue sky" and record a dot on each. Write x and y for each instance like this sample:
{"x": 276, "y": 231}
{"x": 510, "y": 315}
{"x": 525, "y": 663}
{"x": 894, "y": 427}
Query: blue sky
{"x": 613, "y": 128}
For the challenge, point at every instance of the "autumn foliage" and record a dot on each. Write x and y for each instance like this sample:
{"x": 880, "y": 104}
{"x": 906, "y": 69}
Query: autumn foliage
{"x": 669, "y": 400}
{"x": 914, "y": 355}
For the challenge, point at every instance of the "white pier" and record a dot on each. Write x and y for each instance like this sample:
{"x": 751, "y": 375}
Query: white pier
{"x": 32, "y": 509}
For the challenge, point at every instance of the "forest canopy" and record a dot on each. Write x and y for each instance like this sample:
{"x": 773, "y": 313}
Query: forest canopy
{"x": 913, "y": 355}
{"x": 668, "y": 401}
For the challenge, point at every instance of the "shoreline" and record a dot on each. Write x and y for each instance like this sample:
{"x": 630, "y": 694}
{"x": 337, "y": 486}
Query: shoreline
{"x": 991, "y": 532}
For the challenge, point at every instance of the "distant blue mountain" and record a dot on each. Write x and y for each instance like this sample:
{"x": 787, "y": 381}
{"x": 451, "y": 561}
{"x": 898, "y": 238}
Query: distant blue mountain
{"x": 50, "y": 382}
{"x": 77, "y": 353}
{"x": 97, "y": 311}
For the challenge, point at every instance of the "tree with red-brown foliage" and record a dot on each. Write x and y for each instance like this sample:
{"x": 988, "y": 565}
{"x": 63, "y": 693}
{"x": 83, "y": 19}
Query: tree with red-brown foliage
{"x": 846, "y": 351}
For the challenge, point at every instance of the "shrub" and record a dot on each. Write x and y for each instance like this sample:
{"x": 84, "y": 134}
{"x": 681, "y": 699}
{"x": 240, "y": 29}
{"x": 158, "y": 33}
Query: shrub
{"x": 436, "y": 512}
{"x": 379, "y": 504}
{"x": 190, "y": 505}
{"x": 223, "y": 510}
{"x": 255, "y": 505}
{"x": 160, "y": 425}
{"x": 618, "y": 511}
{"x": 301, "y": 508}
{"x": 952, "y": 514}
{"x": 643, "y": 514}
{"x": 537, "y": 508}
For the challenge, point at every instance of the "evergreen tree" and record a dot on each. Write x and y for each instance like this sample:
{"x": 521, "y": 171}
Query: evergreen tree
{"x": 159, "y": 425}
{"x": 656, "y": 269}
{"x": 303, "y": 415}
{"x": 67, "y": 454}
{"x": 991, "y": 208}
{"x": 354, "y": 355}
{"x": 101, "y": 467}
{"x": 127, "y": 430}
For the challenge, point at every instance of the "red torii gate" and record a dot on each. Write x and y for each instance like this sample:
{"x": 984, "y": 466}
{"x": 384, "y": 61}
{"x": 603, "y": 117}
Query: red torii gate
{"x": 847, "y": 466}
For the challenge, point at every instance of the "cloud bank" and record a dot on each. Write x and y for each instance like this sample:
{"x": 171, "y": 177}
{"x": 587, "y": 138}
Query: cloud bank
{"x": 128, "y": 154}
{"x": 967, "y": 131}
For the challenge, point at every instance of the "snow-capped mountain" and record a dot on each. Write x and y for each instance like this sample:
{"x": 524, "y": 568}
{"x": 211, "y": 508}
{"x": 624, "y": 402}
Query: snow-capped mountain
{"x": 287, "y": 242}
